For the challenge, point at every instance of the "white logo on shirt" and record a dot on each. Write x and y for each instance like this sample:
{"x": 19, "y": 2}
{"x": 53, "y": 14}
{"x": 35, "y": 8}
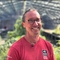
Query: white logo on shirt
{"x": 45, "y": 54}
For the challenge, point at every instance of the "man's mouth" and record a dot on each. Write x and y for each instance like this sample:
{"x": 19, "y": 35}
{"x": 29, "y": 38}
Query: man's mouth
{"x": 35, "y": 28}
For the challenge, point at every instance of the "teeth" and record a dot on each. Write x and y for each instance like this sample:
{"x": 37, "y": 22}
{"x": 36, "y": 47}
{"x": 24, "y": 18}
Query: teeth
{"x": 35, "y": 28}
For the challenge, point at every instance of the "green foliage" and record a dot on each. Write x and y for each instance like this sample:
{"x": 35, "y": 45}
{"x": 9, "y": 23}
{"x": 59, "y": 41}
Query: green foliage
{"x": 57, "y": 30}
{"x": 5, "y": 47}
{"x": 57, "y": 52}
{"x": 19, "y": 28}
{"x": 12, "y": 37}
{"x": 3, "y": 52}
{"x": 18, "y": 31}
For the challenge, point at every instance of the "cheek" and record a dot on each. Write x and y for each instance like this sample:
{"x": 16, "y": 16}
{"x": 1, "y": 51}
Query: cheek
{"x": 27, "y": 27}
{"x": 40, "y": 25}
{"x": 24, "y": 24}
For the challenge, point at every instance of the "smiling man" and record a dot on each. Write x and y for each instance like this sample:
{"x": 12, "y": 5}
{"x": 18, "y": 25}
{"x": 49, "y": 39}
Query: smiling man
{"x": 31, "y": 46}
{"x": 32, "y": 24}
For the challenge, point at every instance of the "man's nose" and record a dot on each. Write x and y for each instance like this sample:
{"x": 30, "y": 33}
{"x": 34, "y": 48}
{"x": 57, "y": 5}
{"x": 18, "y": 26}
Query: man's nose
{"x": 35, "y": 23}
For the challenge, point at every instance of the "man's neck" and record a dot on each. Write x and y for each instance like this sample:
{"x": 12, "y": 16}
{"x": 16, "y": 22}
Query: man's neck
{"x": 31, "y": 39}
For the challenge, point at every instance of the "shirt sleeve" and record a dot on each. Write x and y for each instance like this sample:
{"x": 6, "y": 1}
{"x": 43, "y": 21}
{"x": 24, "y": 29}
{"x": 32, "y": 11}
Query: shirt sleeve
{"x": 51, "y": 50}
{"x": 52, "y": 53}
{"x": 13, "y": 54}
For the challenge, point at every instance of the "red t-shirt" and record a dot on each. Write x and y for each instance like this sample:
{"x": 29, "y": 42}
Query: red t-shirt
{"x": 23, "y": 50}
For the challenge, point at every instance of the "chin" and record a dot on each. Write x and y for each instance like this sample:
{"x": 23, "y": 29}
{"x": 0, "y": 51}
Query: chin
{"x": 36, "y": 34}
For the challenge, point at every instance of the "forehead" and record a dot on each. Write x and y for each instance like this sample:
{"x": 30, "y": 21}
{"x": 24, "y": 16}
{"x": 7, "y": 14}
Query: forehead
{"x": 32, "y": 14}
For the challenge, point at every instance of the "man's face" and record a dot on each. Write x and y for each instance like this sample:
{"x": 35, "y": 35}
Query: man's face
{"x": 32, "y": 23}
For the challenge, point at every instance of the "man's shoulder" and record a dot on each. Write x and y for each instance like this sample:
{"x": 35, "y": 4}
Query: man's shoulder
{"x": 19, "y": 42}
{"x": 45, "y": 41}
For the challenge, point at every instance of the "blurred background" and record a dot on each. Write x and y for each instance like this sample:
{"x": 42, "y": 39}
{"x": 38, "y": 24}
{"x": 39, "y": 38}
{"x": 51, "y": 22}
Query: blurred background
{"x": 11, "y": 30}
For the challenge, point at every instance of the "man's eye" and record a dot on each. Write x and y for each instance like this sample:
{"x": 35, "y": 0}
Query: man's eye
{"x": 37, "y": 20}
{"x": 30, "y": 20}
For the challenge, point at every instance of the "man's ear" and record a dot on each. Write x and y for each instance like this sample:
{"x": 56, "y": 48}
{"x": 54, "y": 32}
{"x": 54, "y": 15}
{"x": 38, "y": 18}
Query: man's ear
{"x": 23, "y": 24}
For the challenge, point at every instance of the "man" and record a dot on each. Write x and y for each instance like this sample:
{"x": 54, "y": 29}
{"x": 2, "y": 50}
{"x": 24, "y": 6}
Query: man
{"x": 31, "y": 46}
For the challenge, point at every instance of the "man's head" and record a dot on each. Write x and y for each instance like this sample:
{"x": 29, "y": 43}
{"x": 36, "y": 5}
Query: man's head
{"x": 32, "y": 22}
